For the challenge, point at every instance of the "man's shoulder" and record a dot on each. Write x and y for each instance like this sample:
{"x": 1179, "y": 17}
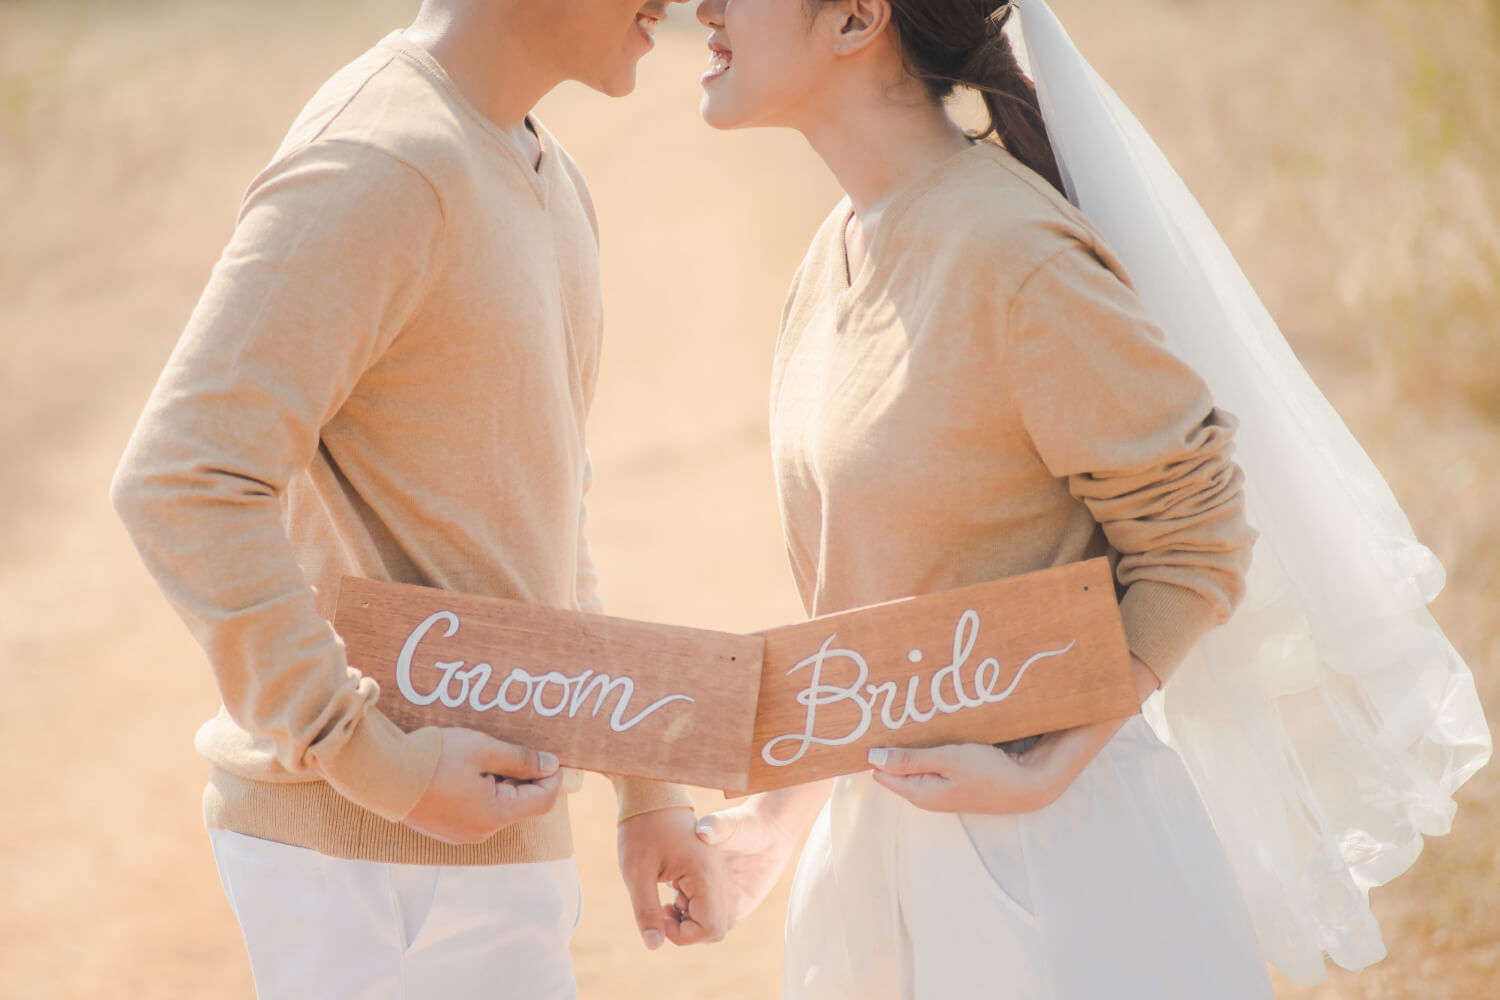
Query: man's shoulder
{"x": 388, "y": 102}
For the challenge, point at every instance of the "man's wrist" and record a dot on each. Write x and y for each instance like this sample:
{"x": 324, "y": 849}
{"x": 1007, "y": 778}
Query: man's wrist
{"x": 641, "y": 795}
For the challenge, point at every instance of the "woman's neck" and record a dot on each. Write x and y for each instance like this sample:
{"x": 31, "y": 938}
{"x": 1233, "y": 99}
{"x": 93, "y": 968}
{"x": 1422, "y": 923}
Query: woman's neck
{"x": 879, "y": 148}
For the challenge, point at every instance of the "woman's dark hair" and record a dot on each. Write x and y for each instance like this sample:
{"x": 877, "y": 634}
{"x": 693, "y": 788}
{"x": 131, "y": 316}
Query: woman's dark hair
{"x": 948, "y": 43}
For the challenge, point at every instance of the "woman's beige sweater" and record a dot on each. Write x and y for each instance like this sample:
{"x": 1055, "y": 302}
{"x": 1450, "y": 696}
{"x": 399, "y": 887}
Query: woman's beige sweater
{"x": 987, "y": 398}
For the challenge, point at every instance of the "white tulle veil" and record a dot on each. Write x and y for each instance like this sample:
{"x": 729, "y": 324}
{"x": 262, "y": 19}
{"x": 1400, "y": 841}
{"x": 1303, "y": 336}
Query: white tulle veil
{"x": 1329, "y": 723}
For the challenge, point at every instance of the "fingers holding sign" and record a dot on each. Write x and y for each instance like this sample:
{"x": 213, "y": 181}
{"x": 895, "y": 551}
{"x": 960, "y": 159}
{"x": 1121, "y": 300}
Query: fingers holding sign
{"x": 969, "y": 778}
{"x": 980, "y": 778}
{"x": 1011, "y": 778}
{"x": 481, "y": 785}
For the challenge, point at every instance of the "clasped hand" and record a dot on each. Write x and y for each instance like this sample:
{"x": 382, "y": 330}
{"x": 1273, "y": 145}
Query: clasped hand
{"x": 661, "y": 847}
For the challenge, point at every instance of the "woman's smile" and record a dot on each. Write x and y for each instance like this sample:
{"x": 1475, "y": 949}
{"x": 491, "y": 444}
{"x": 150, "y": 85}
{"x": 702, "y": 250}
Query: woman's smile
{"x": 719, "y": 59}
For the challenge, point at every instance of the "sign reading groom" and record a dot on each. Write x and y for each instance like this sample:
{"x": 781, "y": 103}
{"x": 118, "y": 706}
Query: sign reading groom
{"x": 603, "y": 694}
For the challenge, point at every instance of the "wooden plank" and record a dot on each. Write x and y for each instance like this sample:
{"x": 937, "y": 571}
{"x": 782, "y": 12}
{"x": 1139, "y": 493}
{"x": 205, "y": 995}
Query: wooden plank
{"x": 995, "y": 662}
{"x": 604, "y": 694}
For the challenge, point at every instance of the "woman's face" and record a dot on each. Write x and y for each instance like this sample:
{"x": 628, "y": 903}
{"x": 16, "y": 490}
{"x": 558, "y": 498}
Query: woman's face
{"x": 765, "y": 65}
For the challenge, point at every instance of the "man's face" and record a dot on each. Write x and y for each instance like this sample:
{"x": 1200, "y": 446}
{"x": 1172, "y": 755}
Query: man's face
{"x": 600, "y": 41}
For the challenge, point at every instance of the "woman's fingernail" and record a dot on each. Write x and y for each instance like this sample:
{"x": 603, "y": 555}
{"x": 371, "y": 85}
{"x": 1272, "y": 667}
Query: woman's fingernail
{"x": 878, "y": 756}
{"x": 705, "y": 827}
{"x": 652, "y": 939}
{"x": 548, "y": 761}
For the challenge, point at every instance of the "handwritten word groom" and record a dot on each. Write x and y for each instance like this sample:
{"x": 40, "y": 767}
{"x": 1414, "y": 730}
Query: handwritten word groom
{"x": 388, "y": 376}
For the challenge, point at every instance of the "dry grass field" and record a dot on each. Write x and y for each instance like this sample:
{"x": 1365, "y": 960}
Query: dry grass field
{"x": 1347, "y": 149}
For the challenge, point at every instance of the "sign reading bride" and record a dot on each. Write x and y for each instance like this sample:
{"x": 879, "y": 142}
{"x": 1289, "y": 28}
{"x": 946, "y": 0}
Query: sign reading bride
{"x": 995, "y": 662}
{"x": 985, "y": 664}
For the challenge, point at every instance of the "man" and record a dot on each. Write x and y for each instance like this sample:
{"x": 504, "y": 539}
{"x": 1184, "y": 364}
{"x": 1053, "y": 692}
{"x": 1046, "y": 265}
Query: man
{"x": 388, "y": 376}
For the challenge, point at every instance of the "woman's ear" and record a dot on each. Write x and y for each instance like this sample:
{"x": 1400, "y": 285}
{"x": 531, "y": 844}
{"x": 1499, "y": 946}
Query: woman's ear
{"x": 855, "y": 24}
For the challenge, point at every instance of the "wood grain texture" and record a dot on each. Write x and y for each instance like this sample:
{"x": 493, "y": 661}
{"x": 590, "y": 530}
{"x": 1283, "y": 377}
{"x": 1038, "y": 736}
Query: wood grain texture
{"x": 989, "y": 631}
{"x": 565, "y": 670}
{"x": 994, "y": 662}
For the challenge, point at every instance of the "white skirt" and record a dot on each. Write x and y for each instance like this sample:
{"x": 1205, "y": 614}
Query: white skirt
{"x": 1119, "y": 889}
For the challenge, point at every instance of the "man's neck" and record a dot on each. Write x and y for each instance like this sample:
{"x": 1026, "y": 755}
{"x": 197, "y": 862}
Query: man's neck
{"x": 484, "y": 50}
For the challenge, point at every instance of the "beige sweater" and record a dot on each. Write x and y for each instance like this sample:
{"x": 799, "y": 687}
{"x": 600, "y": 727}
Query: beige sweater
{"x": 387, "y": 376}
{"x": 987, "y": 398}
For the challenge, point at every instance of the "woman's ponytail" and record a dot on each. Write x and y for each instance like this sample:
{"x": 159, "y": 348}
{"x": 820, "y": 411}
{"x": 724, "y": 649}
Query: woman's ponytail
{"x": 1010, "y": 97}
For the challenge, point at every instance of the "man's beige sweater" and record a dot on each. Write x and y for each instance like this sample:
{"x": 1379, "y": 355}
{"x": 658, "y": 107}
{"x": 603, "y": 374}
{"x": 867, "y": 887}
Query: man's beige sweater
{"x": 987, "y": 398}
{"x": 387, "y": 376}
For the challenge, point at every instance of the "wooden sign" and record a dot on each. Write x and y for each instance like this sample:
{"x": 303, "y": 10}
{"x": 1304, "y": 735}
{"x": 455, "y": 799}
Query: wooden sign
{"x": 604, "y": 694}
{"x": 1000, "y": 661}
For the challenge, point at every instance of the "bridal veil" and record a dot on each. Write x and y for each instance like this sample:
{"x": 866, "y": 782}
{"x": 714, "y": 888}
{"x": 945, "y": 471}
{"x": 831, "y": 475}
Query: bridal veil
{"x": 1328, "y": 724}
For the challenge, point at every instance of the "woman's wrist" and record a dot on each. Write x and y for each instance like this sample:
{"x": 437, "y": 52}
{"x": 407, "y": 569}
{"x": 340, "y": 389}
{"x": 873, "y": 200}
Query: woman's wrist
{"x": 1062, "y": 757}
{"x": 790, "y": 811}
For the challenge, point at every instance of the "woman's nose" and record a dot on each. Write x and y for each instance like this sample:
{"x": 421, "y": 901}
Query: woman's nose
{"x": 711, "y": 13}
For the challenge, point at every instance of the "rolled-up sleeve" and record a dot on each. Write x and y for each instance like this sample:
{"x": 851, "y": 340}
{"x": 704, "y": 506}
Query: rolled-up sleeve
{"x": 1136, "y": 436}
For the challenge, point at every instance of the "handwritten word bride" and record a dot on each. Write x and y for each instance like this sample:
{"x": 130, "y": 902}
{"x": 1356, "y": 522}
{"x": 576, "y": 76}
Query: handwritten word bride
{"x": 459, "y": 685}
{"x": 863, "y": 695}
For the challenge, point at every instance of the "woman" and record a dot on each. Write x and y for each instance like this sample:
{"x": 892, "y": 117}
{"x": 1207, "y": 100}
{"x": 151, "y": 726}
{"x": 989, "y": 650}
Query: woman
{"x": 966, "y": 387}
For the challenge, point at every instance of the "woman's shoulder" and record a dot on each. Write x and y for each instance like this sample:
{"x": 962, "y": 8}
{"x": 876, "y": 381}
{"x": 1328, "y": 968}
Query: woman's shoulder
{"x": 989, "y": 211}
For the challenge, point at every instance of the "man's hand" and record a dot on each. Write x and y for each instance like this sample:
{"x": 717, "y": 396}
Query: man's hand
{"x": 482, "y": 785}
{"x": 661, "y": 846}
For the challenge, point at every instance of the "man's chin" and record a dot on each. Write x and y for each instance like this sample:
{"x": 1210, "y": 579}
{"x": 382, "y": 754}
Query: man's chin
{"x": 618, "y": 83}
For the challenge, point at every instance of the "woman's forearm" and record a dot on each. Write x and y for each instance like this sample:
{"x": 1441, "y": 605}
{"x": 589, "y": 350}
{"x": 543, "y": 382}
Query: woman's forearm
{"x": 792, "y": 810}
{"x": 1061, "y": 758}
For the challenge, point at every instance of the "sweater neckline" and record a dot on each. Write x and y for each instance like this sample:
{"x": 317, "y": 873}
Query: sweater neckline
{"x": 850, "y": 285}
{"x": 537, "y": 176}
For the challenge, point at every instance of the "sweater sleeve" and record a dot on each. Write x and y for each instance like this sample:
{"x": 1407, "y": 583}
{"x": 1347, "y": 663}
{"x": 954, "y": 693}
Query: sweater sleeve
{"x": 1135, "y": 434}
{"x": 328, "y": 261}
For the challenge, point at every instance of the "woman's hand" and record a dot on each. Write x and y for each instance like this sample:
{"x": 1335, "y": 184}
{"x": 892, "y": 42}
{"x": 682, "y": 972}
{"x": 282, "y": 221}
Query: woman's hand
{"x": 757, "y": 838}
{"x": 978, "y": 778}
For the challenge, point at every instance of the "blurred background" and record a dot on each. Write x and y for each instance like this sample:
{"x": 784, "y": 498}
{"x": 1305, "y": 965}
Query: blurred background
{"x": 1346, "y": 149}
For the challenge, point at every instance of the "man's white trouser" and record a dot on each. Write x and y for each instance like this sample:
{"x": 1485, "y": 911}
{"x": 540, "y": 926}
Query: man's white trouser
{"x": 331, "y": 929}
